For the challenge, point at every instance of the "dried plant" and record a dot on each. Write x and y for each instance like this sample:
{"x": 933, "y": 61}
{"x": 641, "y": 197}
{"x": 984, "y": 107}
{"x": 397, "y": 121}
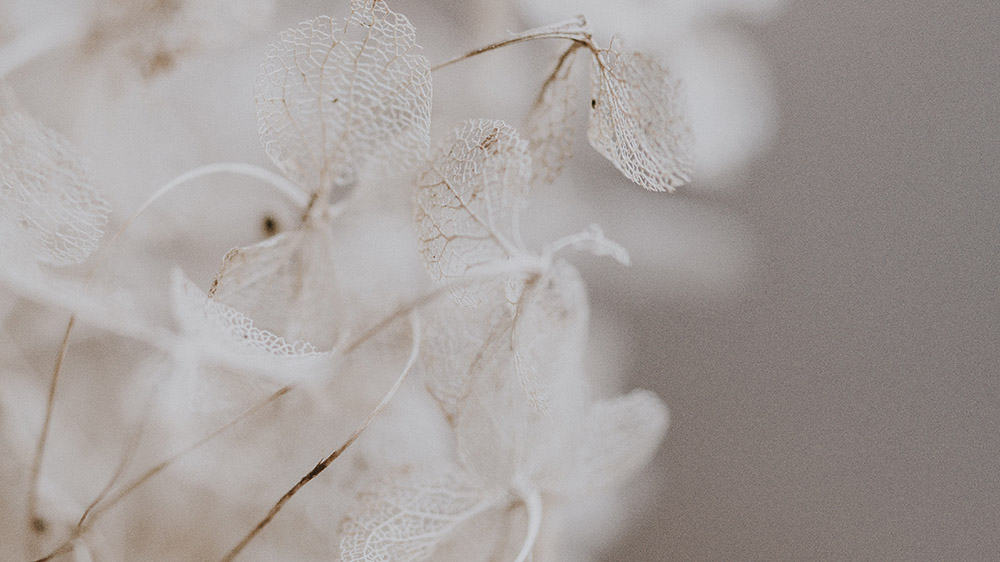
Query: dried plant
{"x": 496, "y": 337}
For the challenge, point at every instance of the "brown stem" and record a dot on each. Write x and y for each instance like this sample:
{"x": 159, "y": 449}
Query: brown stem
{"x": 572, "y": 30}
{"x": 36, "y": 523}
{"x": 95, "y": 511}
{"x": 325, "y": 463}
{"x": 555, "y": 72}
{"x": 123, "y": 463}
{"x": 139, "y": 481}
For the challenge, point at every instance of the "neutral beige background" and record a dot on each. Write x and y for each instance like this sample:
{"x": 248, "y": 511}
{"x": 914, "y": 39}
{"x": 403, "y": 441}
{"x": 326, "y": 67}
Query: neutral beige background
{"x": 844, "y": 404}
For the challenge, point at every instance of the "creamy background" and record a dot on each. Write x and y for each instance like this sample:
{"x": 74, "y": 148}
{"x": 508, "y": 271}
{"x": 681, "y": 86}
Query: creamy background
{"x": 844, "y": 402}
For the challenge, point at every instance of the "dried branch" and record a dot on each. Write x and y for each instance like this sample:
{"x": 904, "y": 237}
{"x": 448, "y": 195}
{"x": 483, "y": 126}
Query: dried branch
{"x": 326, "y": 462}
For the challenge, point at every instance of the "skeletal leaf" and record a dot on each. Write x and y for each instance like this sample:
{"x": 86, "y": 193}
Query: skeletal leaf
{"x": 201, "y": 316}
{"x": 617, "y": 438}
{"x": 636, "y": 120}
{"x": 469, "y": 200}
{"x": 287, "y": 284}
{"x": 549, "y": 331}
{"x": 49, "y": 210}
{"x": 508, "y": 450}
{"x": 535, "y": 340}
{"x": 221, "y": 360}
{"x": 549, "y": 124}
{"x": 457, "y": 341}
{"x": 338, "y": 99}
{"x": 407, "y": 520}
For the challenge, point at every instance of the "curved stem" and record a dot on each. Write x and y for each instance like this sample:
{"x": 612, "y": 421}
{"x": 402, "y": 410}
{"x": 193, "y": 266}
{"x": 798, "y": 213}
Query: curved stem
{"x": 572, "y": 30}
{"x": 38, "y": 524}
{"x": 533, "y": 502}
{"x": 285, "y": 187}
{"x": 325, "y": 463}
{"x": 354, "y": 344}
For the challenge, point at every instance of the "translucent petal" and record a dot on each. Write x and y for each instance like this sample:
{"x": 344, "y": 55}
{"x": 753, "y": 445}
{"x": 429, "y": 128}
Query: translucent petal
{"x": 549, "y": 333}
{"x": 406, "y": 519}
{"x": 49, "y": 210}
{"x": 535, "y": 343}
{"x": 618, "y": 437}
{"x": 469, "y": 199}
{"x": 456, "y": 341}
{"x": 222, "y": 327}
{"x": 549, "y": 125}
{"x": 338, "y": 100}
{"x": 287, "y": 284}
{"x": 636, "y": 120}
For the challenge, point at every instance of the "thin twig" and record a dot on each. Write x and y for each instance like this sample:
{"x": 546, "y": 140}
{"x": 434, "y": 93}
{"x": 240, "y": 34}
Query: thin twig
{"x": 403, "y": 310}
{"x": 89, "y": 519}
{"x": 130, "y": 449}
{"x": 289, "y": 190}
{"x": 325, "y": 463}
{"x": 572, "y": 30}
{"x": 139, "y": 481}
{"x": 37, "y": 523}
{"x": 555, "y": 72}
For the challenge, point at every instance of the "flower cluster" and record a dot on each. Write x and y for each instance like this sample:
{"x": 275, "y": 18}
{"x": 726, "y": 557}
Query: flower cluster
{"x": 479, "y": 361}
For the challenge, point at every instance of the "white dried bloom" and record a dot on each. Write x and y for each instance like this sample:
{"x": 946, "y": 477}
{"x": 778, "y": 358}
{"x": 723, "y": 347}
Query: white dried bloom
{"x": 338, "y": 100}
{"x": 637, "y": 121}
{"x": 469, "y": 199}
{"x": 287, "y": 283}
{"x": 218, "y": 346}
{"x": 509, "y": 451}
{"x": 730, "y": 101}
{"x": 407, "y": 517}
{"x": 50, "y": 212}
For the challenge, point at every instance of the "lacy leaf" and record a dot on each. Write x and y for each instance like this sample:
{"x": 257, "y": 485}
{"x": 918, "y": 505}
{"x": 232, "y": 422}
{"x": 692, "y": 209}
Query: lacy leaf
{"x": 406, "y": 521}
{"x": 636, "y": 120}
{"x": 337, "y": 99}
{"x": 50, "y": 212}
{"x": 468, "y": 201}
